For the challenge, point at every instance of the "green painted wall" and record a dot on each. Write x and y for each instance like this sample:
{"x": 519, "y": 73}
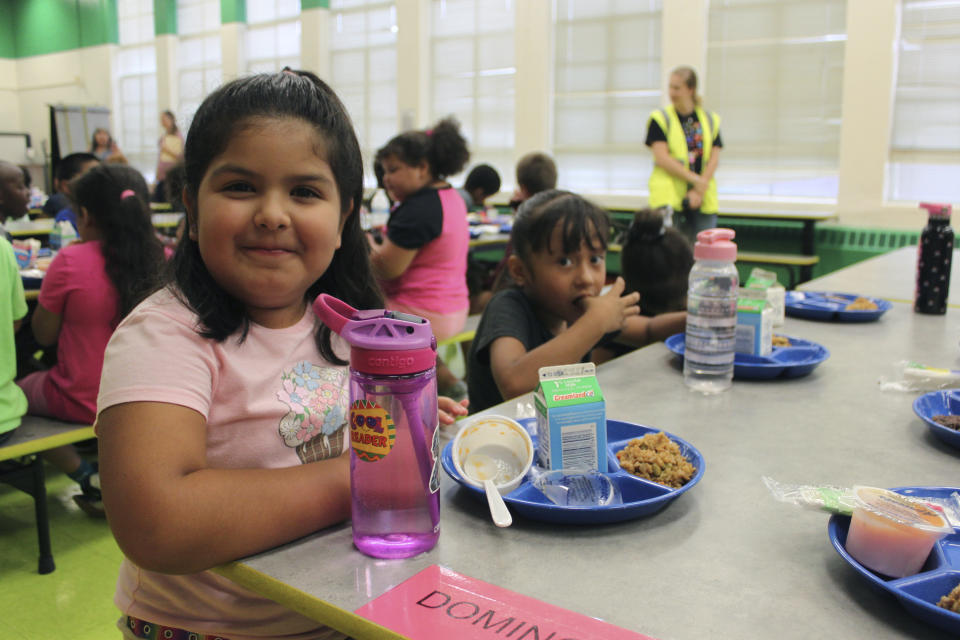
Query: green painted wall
{"x": 164, "y": 17}
{"x": 7, "y": 48}
{"x": 233, "y": 11}
{"x": 36, "y": 27}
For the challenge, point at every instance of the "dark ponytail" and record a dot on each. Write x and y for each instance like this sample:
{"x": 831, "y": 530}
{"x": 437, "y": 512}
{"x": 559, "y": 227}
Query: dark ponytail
{"x": 443, "y": 148}
{"x": 115, "y": 196}
{"x": 656, "y": 262}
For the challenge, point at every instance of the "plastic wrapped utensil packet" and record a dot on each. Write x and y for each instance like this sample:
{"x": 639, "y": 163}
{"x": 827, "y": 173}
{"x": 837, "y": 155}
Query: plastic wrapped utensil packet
{"x": 576, "y": 488}
{"x": 842, "y": 500}
{"x": 912, "y": 376}
{"x": 826, "y": 497}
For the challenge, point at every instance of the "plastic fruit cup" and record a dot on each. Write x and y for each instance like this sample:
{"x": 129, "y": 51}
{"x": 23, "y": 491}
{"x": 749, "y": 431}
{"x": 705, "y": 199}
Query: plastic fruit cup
{"x": 493, "y": 448}
{"x": 890, "y": 534}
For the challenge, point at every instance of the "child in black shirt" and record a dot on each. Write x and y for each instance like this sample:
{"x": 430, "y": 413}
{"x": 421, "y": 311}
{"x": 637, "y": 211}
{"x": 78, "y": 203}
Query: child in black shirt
{"x": 556, "y": 313}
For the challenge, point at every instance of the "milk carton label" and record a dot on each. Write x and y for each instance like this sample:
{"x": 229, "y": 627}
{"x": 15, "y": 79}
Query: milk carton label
{"x": 754, "y": 327}
{"x": 776, "y": 294}
{"x": 571, "y": 418}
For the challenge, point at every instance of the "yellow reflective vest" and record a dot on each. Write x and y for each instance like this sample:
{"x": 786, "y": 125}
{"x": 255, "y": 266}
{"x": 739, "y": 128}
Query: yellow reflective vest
{"x": 665, "y": 189}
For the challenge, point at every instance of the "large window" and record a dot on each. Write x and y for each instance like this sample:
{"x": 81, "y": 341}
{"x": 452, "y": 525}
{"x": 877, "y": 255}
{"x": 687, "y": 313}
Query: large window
{"x": 775, "y": 75}
{"x": 925, "y": 145}
{"x": 606, "y": 82}
{"x": 137, "y": 76}
{"x": 473, "y": 74}
{"x": 363, "y": 61}
{"x": 273, "y": 35}
{"x": 199, "y": 65}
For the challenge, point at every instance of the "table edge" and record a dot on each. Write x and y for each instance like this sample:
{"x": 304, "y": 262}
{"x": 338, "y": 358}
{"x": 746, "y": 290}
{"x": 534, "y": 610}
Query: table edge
{"x": 303, "y": 603}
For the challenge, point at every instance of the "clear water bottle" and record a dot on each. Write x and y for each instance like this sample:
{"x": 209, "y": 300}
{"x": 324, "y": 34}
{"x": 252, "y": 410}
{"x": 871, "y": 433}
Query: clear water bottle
{"x": 934, "y": 258}
{"x": 379, "y": 208}
{"x": 711, "y": 313}
{"x": 394, "y": 428}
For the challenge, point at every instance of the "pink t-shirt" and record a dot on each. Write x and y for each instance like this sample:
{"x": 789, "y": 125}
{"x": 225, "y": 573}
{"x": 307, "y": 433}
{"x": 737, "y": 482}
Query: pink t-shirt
{"x": 269, "y": 402}
{"x": 436, "y": 279}
{"x": 76, "y": 286}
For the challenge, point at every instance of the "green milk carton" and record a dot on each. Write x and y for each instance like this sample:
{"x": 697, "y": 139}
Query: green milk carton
{"x": 571, "y": 418}
{"x": 754, "y": 333}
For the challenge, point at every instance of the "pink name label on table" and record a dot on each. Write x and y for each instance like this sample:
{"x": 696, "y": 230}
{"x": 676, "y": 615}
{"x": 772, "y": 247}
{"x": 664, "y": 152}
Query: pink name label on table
{"x": 439, "y": 604}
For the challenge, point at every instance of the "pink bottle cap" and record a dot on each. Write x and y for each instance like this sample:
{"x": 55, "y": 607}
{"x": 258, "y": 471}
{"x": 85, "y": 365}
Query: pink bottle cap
{"x": 937, "y": 210}
{"x": 715, "y": 244}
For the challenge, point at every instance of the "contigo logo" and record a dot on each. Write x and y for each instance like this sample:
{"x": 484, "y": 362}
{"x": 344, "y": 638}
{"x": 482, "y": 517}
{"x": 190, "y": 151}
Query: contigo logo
{"x": 390, "y": 361}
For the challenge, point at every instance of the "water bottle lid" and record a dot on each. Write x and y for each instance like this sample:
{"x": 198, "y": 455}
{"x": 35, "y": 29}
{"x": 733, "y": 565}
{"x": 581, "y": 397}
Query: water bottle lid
{"x": 937, "y": 210}
{"x": 381, "y": 341}
{"x": 715, "y": 244}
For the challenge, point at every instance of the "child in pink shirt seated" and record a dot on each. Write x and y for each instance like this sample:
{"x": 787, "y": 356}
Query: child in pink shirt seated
{"x": 90, "y": 286}
{"x": 422, "y": 262}
{"x": 223, "y": 404}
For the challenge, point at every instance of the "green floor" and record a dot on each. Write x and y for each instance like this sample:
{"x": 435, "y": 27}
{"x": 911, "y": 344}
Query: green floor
{"x": 76, "y": 600}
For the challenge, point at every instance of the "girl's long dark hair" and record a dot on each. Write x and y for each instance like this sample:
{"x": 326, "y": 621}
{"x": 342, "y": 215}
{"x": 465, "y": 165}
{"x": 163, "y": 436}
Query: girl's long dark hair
{"x": 115, "y": 196}
{"x": 443, "y": 148}
{"x": 289, "y": 94}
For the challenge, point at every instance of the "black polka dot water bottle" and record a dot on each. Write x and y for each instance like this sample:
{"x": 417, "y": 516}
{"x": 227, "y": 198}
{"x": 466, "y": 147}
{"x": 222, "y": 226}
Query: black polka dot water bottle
{"x": 934, "y": 256}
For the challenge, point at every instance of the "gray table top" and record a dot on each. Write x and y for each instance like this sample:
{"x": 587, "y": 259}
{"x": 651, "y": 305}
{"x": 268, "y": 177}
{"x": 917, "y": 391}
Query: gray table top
{"x": 723, "y": 561}
{"x": 890, "y": 275}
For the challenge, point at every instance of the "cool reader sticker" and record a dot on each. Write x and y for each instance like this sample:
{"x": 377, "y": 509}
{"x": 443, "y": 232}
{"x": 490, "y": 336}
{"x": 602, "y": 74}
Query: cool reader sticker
{"x": 372, "y": 432}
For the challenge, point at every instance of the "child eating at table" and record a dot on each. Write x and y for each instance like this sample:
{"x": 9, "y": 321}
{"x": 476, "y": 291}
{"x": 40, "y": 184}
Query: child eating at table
{"x": 224, "y": 400}
{"x": 69, "y": 167}
{"x": 422, "y": 261}
{"x": 88, "y": 288}
{"x": 482, "y": 182}
{"x": 12, "y": 310}
{"x": 14, "y": 194}
{"x": 536, "y": 172}
{"x": 556, "y": 313}
{"x": 655, "y": 262}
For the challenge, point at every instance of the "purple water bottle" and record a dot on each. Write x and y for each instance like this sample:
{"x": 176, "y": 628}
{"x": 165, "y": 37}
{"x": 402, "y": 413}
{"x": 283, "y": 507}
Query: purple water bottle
{"x": 394, "y": 428}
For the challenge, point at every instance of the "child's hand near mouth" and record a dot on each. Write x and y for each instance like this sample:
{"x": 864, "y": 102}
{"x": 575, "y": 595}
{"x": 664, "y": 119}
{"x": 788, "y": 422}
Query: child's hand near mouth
{"x": 611, "y": 309}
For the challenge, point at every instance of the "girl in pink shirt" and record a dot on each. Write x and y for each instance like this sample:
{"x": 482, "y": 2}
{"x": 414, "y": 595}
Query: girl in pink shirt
{"x": 223, "y": 401}
{"x": 90, "y": 286}
{"x": 422, "y": 261}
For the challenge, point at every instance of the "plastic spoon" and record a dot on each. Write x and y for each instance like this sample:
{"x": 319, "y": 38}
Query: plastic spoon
{"x": 483, "y": 468}
{"x": 498, "y": 508}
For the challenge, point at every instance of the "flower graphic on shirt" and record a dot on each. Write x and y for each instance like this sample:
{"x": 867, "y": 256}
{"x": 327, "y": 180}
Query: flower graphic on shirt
{"x": 316, "y": 400}
{"x": 335, "y": 419}
{"x": 296, "y": 397}
{"x": 303, "y": 375}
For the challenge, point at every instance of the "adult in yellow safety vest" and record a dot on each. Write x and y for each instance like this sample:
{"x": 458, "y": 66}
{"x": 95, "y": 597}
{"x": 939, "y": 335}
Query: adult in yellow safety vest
{"x": 685, "y": 140}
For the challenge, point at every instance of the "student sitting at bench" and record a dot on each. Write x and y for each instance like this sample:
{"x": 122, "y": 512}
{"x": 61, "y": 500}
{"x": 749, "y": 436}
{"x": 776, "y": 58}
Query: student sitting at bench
{"x": 13, "y": 308}
{"x": 13, "y": 403}
{"x": 89, "y": 287}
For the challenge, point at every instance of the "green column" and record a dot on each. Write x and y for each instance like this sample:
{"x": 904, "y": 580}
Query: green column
{"x": 8, "y": 48}
{"x": 165, "y": 17}
{"x": 98, "y": 23}
{"x": 233, "y": 11}
{"x": 314, "y": 4}
{"x": 50, "y": 26}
